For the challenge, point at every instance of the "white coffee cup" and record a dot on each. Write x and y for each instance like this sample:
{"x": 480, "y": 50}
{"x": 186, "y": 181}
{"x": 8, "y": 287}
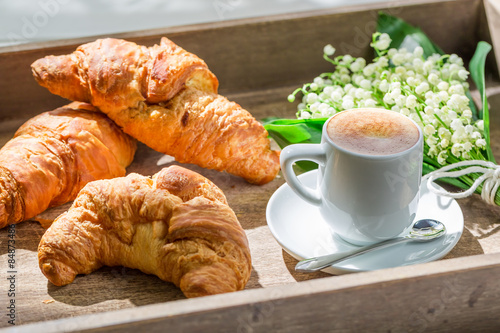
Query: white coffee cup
{"x": 370, "y": 168}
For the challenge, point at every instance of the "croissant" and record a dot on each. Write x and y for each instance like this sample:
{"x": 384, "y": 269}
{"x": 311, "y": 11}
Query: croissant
{"x": 53, "y": 155}
{"x": 167, "y": 98}
{"x": 176, "y": 225}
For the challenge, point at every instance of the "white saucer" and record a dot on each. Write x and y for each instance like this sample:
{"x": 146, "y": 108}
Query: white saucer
{"x": 300, "y": 230}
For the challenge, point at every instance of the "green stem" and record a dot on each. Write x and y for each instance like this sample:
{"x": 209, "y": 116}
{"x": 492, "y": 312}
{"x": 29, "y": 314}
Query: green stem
{"x": 442, "y": 122}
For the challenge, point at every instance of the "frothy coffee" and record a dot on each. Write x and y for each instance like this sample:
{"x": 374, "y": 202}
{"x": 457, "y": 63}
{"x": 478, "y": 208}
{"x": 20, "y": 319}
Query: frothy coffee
{"x": 372, "y": 131}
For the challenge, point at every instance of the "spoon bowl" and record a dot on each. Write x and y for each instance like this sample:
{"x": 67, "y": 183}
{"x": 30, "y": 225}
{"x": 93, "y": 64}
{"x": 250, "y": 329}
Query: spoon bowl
{"x": 422, "y": 231}
{"x": 425, "y": 230}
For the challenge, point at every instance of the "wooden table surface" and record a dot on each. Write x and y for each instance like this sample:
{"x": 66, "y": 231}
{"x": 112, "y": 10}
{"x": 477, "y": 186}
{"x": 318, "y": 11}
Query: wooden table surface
{"x": 112, "y": 288}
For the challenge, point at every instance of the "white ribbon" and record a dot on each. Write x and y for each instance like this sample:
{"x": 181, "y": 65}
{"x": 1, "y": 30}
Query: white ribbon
{"x": 490, "y": 176}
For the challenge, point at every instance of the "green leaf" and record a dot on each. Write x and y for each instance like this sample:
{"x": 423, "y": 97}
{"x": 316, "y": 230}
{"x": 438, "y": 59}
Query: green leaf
{"x": 291, "y": 131}
{"x": 477, "y": 72}
{"x": 291, "y": 134}
{"x": 473, "y": 107}
{"x": 406, "y": 35}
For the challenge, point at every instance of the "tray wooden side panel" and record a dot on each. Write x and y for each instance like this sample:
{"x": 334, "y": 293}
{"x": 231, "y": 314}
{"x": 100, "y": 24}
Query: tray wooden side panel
{"x": 492, "y": 12}
{"x": 457, "y": 295}
{"x": 260, "y": 53}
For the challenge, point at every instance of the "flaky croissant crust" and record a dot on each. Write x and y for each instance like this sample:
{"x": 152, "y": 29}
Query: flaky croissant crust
{"x": 114, "y": 74}
{"x": 53, "y": 155}
{"x": 176, "y": 225}
{"x": 166, "y": 98}
{"x": 208, "y": 130}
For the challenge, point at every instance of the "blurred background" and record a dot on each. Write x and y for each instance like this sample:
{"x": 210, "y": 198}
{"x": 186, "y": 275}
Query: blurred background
{"x": 25, "y": 21}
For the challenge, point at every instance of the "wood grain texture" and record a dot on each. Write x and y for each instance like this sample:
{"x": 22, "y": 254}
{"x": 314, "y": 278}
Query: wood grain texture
{"x": 492, "y": 16}
{"x": 259, "y": 62}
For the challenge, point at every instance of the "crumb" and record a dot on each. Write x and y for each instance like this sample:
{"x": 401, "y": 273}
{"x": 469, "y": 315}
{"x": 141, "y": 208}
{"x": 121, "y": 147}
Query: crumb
{"x": 48, "y": 301}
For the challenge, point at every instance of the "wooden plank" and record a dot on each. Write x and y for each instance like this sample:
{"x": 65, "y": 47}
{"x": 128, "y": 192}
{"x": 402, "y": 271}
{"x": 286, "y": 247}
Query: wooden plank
{"x": 492, "y": 13}
{"x": 443, "y": 296}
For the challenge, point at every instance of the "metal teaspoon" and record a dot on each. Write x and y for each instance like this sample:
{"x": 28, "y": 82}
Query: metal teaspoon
{"x": 422, "y": 231}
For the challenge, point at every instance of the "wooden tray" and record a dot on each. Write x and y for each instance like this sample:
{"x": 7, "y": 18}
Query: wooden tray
{"x": 259, "y": 62}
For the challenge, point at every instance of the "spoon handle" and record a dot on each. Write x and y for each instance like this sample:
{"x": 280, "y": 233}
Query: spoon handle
{"x": 318, "y": 263}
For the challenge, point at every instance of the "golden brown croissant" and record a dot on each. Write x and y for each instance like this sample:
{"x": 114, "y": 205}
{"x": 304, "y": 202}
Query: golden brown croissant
{"x": 167, "y": 98}
{"x": 53, "y": 155}
{"x": 176, "y": 225}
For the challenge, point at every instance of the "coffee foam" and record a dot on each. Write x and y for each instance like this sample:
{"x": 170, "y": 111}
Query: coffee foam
{"x": 372, "y": 131}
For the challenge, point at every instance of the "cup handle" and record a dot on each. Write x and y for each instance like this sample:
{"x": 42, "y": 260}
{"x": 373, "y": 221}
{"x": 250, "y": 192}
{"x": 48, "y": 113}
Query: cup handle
{"x": 301, "y": 152}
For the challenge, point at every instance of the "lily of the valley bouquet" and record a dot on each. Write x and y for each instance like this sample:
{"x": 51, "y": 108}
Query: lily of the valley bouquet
{"x": 410, "y": 75}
